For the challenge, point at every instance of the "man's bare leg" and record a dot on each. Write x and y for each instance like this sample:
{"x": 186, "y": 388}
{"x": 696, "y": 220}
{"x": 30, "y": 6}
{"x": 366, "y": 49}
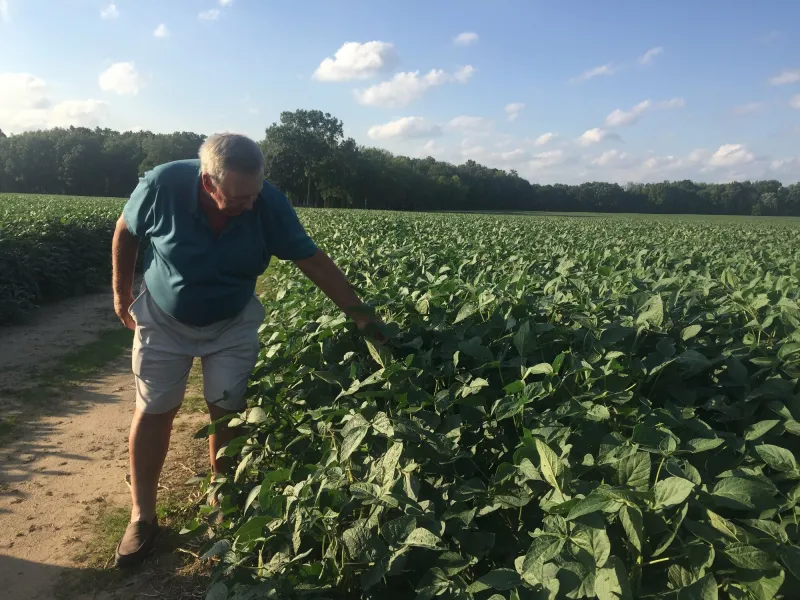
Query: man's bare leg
{"x": 148, "y": 444}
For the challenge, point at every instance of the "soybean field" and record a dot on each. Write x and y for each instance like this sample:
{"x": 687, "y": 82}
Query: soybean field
{"x": 565, "y": 408}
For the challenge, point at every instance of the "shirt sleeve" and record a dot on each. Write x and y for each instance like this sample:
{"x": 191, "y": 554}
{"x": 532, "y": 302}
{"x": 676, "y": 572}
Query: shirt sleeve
{"x": 285, "y": 235}
{"x": 139, "y": 209}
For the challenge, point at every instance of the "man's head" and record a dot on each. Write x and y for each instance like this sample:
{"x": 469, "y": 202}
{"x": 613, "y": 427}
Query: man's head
{"x": 232, "y": 168}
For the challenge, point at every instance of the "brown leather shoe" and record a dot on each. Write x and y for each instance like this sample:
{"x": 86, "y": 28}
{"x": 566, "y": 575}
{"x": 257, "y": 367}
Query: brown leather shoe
{"x": 138, "y": 541}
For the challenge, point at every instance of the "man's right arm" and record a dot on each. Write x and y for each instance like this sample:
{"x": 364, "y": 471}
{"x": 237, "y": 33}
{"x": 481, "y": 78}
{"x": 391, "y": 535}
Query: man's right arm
{"x": 124, "y": 249}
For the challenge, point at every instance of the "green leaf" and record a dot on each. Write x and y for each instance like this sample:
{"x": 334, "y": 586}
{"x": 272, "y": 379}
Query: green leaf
{"x": 423, "y": 538}
{"x": 690, "y": 331}
{"x": 703, "y": 589}
{"x": 549, "y": 465}
{"x": 218, "y": 591}
{"x": 594, "y": 541}
{"x": 652, "y": 312}
{"x": 396, "y": 530}
{"x": 756, "y": 430}
{"x": 671, "y": 491}
{"x": 748, "y": 557}
{"x": 631, "y": 519}
{"x": 466, "y": 311}
{"x": 776, "y": 457}
{"x": 611, "y": 582}
{"x": 790, "y": 556}
{"x": 540, "y": 369}
{"x": 743, "y": 494}
{"x": 352, "y": 441}
{"x": 594, "y": 502}
{"x": 498, "y": 579}
{"x": 521, "y": 337}
{"x": 251, "y": 530}
{"x": 357, "y": 540}
{"x": 543, "y": 548}
{"x": 256, "y": 415}
{"x": 634, "y": 471}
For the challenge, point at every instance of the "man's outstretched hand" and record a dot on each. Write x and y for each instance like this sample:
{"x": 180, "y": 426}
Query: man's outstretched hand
{"x": 370, "y": 324}
{"x": 122, "y": 304}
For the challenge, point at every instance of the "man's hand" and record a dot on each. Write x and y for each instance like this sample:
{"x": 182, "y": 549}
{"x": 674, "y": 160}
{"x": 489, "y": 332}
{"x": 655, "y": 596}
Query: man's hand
{"x": 121, "y": 306}
{"x": 370, "y": 324}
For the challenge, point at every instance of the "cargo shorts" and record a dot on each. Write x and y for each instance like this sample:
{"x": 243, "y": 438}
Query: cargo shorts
{"x": 164, "y": 350}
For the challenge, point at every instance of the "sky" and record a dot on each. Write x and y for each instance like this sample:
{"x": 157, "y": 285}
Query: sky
{"x": 562, "y": 91}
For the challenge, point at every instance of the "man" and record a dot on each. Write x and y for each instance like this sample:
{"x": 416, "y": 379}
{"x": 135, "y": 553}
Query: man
{"x": 213, "y": 224}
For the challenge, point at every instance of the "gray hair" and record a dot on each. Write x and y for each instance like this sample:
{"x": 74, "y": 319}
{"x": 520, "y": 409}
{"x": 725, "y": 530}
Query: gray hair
{"x": 223, "y": 152}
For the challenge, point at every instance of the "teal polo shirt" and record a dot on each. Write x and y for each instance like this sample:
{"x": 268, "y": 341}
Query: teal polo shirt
{"x": 193, "y": 275}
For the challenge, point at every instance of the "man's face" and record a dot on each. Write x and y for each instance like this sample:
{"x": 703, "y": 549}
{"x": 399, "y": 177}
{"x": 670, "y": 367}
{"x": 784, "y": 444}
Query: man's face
{"x": 235, "y": 193}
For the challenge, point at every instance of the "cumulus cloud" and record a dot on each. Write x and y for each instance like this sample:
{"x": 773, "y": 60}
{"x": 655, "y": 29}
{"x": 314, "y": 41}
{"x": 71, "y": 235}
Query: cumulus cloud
{"x": 611, "y": 158}
{"x": 795, "y": 102}
{"x": 729, "y": 155}
{"x": 121, "y": 78}
{"x": 109, "y": 12}
{"x": 25, "y": 103}
{"x": 544, "y": 139}
{"x": 471, "y": 124}
{"x": 431, "y": 148}
{"x": 4, "y": 13}
{"x": 621, "y": 118}
{"x": 161, "y": 31}
{"x": 466, "y": 39}
{"x": 595, "y": 136}
{"x": 647, "y": 57}
{"x": 602, "y": 70}
{"x": 544, "y": 160}
{"x": 513, "y": 110}
{"x": 355, "y": 61}
{"x": 786, "y": 77}
{"x": 209, "y": 15}
{"x": 404, "y": 129}
{"x": 405, "y": 88}
{"x": 225, "y": 3}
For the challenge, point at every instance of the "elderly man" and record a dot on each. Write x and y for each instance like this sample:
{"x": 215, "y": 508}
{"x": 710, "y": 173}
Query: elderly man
{"x": 213, "y": 224}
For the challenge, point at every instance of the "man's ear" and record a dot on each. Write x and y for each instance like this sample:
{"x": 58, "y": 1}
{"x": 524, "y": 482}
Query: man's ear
{"x": 208, "y": 183}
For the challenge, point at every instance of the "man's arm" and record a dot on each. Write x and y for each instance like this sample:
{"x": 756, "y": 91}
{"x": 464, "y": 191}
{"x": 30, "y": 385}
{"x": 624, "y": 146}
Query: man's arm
{"x": 324, "y": 273}
{"x": 124, "y": 249}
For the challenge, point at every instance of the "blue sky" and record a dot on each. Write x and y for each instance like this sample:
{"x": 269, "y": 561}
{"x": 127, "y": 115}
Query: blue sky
{"x": 562, "y": 91}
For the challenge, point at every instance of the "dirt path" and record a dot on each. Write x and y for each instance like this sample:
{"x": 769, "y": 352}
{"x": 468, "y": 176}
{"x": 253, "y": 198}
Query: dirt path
{"x": 68, "y": 467}
{"x": 53, "y": 330}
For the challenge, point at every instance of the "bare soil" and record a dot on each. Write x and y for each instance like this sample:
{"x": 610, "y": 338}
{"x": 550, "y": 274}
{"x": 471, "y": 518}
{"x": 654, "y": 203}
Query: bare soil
{"x": 65, "y": 471}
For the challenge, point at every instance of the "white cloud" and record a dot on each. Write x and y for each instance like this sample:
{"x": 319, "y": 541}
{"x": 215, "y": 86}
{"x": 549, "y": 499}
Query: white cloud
{"x": 513, "y": 110}
{"x": 464, "y": 74}
{"x": 4, "y": 14}
{"x": 405, "y": 88}
{"x": 209, "y": 15}
{"x": 595, "y": 136}
{"x": 786, "y": 77}
{"x": 795, "y": 102}
{"x": 729, "y": 155}
{"x": 544, "y": 160}
{"x": 473, "y": 124}
{"x": 225, "y": 2}
{"x": 466, "y": 39}
{"x": 161, "y": 31}
{"x": 750, "y": 107}
{"x": 355, "y": 61}
{"x": 647, "y": 57}
{"x": 404, "y": 129}
{"x": 431, "y": 148}
{"x": 109, "y": 12}
{"x": 621, "y": 118}
{"x": 121, "y": 78}
{"x": 25, "y": 104}
{"x": 607, "y": 69}
{"x": 610, "y": 158}
{"x": 81, "y": 113}
{"x": 545, "y": 138}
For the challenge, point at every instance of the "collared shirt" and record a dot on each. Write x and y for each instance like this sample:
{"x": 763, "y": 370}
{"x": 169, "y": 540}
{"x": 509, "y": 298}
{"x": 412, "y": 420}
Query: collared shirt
{"x": 193, "y": 275}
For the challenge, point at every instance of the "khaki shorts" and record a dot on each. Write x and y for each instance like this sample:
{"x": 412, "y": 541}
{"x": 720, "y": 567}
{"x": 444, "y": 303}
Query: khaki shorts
{"x": 164, "y": 350}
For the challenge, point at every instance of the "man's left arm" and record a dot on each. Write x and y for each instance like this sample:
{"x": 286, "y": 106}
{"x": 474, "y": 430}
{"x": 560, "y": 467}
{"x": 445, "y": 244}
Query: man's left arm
{"x": 324, "y": 273}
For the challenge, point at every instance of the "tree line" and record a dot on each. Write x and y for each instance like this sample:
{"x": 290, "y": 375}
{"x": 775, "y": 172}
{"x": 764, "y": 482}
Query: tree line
{"x": 309, "y": 158}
